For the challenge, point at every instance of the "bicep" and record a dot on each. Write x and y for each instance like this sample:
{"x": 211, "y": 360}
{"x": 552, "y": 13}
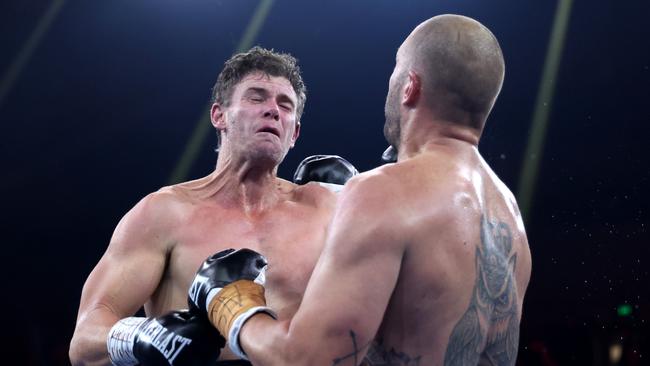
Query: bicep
{"x": 117, "y": 287}
{"x": 122, "y": 283}
{"x": 128, "y": 272}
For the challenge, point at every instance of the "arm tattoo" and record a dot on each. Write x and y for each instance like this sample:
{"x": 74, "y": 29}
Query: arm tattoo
{"x": 377, "y": 355}
{"x": 489, "y": 329}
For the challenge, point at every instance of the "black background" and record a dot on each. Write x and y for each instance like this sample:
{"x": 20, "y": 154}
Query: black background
{"x": 105, "y": 105}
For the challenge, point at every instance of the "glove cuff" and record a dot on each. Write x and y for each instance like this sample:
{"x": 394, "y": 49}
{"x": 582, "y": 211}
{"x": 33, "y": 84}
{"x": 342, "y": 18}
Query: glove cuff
{"x": 232, "y": 301}
{"x": 233, "y": 334}
{"x": 336, "y": 188}
{"x": 121, "y": 339}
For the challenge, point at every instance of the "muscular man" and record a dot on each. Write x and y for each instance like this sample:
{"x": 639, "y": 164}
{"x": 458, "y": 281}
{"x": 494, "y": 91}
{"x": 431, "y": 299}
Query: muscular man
{"x": 427, "y": 260}
{"x": 158, "y": 246}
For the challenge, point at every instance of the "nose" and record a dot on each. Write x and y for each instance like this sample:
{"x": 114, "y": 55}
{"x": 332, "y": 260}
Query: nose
{"x": 272, "y": 112}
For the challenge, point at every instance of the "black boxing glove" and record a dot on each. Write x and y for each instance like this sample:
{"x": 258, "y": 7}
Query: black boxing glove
{"x": 228, "y": 289}
{"x": 332, "y": 170}
{"x": 221, "y": 269}
{"x": 177, "y": 338}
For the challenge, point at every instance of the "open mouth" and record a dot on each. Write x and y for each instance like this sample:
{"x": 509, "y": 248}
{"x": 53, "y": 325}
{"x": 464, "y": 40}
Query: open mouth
{"x": 269, "y": 129}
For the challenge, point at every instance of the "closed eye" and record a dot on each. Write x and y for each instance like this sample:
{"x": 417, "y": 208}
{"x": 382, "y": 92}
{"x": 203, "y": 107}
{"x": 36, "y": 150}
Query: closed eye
{"x": 256, "y": 95}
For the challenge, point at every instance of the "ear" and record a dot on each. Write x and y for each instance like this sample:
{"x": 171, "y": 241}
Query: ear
{"x": 296, "y": 133}
{"x": 412, "y": 90}
{"x": 217, "y": 117}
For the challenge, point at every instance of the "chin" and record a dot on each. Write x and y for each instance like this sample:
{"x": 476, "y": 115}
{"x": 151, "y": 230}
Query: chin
{"x": 390, "y": 134}
{"x": 267, "y": 156}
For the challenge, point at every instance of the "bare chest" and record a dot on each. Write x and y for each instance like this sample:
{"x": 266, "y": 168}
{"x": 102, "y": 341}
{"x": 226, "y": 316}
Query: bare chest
{"x": 291, "y": 239}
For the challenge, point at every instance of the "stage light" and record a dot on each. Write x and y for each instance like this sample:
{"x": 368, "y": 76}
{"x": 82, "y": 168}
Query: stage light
{"x": 543, "y": 103}
{"x": 18, "y": 64}
{"x": 615, "y": 353}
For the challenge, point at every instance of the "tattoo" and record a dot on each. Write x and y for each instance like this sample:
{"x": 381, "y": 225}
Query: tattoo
{"x": 378, "y": 355}
{"x": 489, "y": 329}
{"x": 356, "y": 352}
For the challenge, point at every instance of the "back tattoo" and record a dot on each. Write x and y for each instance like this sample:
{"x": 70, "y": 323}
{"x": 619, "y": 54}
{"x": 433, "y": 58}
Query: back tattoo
{"x": 489, "y": 329}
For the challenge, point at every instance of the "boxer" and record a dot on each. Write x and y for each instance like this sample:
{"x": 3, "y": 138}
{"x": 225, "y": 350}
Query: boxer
{"x": 156, "y": 248}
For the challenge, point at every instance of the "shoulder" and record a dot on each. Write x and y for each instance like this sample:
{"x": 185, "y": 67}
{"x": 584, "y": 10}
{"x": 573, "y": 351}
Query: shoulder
{"x": 154, "y": 216}
{"x": 368, "y": 217}
{"x": 372, "y": 200}
{"x": 411, "y": 193}
{"x": 164, "y": 202}
{"x": 312, "y": 194}
{"x": 379, "y": 186}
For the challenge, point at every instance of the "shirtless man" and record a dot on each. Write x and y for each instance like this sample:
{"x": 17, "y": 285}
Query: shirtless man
{"x": 158, "y": 246}
{"x": 427, "y": 260}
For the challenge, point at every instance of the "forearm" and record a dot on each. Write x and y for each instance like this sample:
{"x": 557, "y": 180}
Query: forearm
{"x": 267, "y": 342}
{"x": 88, "y": 345}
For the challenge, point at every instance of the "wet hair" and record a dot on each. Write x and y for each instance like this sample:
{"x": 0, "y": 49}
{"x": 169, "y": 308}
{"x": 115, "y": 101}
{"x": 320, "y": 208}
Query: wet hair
{"x": 259, "y": 59}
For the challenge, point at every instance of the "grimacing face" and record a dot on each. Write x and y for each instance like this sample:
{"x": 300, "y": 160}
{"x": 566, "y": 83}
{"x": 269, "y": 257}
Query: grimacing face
{"x": 260, "y": 122}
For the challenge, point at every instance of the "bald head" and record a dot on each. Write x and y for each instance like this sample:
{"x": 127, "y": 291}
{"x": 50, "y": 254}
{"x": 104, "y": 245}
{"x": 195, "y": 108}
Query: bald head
{"x": 461, "y": 66}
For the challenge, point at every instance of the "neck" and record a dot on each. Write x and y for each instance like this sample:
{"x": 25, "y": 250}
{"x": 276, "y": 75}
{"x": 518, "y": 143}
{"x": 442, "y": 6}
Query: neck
{"x": 243, "y": 182}
{"x": 422, "y": 132}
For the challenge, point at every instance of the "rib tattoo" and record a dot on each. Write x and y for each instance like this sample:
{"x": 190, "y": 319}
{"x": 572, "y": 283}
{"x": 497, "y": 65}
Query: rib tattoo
{"x": 489, "y": 329}
{"x": 377, "y": 355}
{"x": 355, "y": 354}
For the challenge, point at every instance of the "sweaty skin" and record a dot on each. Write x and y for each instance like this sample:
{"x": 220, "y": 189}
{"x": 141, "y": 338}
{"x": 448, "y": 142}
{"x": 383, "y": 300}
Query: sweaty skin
{"x": 426, "y": 261}
{"x": 158, "y": 246}
{"x": 464, "y": 267}
{"x": 429, "y": 254}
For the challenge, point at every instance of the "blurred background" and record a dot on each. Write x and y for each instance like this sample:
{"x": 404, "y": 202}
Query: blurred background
{"x": 103, "y": 102}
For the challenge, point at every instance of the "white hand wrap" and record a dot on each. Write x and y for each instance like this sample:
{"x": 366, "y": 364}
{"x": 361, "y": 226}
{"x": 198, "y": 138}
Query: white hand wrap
{"x": 233, "y": 335}
{"x": 121, "y": 339}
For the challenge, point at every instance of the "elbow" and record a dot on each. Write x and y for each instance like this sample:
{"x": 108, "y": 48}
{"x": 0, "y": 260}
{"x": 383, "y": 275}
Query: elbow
{"x": 88, "y": 343}
{"x": 84, "y": 352}
{"x": 293, "y": 356}
{"x": 277, "y": 348}
{"x": 282, "y": 358}
{"x": 75, "y": 352}
{"x": 294, "y": 351}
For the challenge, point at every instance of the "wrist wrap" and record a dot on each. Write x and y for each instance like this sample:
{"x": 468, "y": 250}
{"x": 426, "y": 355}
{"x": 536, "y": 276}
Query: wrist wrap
{"x": 232, "y": 306}
{"x": 121, "y": 339}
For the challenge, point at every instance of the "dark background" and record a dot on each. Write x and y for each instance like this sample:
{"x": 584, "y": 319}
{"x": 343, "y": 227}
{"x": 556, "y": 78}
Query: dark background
{"x": 105, "y": 105}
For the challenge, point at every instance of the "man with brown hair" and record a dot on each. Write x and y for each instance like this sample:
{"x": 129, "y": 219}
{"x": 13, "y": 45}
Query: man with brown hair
{"x": 156, "y": 248}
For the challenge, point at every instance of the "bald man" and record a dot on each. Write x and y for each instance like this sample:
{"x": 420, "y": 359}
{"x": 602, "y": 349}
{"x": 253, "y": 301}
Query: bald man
{"x": 427, "y": 260}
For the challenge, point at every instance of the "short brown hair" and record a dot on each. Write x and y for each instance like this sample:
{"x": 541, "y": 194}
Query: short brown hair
{"x": 259, "y": 59}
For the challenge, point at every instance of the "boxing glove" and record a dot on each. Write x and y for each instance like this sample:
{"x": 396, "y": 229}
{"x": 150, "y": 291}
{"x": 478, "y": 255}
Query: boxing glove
{"x": 228, "y": 289}
{"x": 328, "y": 169}
{"x": 178, "y": 338}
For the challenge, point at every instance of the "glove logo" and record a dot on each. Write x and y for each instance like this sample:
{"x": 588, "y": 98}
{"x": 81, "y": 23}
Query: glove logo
{"x": 168, "y": 343}
{"x": 196, "y": 289}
